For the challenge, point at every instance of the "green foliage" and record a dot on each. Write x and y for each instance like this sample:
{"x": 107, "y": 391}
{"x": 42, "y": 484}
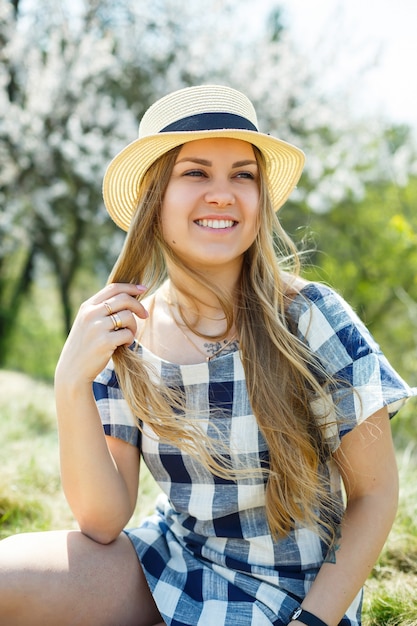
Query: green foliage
{"x": 74, "y": 91}
{"x": 368, "y": 251}
{"x": 38, "y": 334}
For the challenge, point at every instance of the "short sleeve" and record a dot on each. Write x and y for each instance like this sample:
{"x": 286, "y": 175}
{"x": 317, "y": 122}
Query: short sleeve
{"x": 117, "y": 419}
{"x": 365, "y": 381}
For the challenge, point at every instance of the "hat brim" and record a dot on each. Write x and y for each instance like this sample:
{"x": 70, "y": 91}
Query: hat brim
{"x": 122, "y": 179}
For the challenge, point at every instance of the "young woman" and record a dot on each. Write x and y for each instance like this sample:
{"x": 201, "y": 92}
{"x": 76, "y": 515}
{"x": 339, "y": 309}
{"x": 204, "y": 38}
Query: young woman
{"x": 250, "y": 394}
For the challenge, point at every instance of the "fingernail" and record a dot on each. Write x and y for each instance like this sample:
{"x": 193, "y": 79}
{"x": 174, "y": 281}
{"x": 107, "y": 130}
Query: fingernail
{"x": 141, "y": 287}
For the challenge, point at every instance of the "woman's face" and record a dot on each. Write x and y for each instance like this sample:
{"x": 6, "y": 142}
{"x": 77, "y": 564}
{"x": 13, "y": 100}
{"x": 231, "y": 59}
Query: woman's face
{"x": 211, "y": 204}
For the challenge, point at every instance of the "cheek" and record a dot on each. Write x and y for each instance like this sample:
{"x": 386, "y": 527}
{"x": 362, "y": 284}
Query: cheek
{"x": 256, "y": 214}
{"x": 167, "y": 229}
{"x": 164, "y": 217}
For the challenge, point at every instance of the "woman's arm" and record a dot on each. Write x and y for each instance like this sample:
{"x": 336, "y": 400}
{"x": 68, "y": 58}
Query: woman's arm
{"x": 99, "y": 474}
{"x": 367, "y": 463}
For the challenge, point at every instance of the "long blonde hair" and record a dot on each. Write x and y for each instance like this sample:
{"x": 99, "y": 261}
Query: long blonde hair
{"x": 281, "y": 373}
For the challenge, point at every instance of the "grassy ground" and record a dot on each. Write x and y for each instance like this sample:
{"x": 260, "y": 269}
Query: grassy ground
{"x": 31, "y": 497}
{"x": 30, "y": 491}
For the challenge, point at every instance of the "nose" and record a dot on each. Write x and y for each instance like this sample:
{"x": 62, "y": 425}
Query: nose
{"x": 220, "y": 195}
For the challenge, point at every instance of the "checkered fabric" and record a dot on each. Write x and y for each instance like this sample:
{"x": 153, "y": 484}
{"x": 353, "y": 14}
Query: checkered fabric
{"x": 206, "y": 552}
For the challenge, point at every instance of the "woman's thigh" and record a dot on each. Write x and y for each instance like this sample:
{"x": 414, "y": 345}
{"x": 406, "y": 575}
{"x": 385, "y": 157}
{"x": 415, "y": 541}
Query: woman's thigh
{"x": 66, "y": 578}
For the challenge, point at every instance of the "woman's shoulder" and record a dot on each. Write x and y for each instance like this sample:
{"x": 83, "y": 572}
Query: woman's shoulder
{"x": 302, "y": 293}
{"x": 315, "y": 305}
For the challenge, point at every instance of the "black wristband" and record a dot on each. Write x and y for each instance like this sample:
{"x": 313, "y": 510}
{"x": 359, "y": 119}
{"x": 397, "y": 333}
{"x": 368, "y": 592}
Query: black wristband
{"x": 306, "y": 618}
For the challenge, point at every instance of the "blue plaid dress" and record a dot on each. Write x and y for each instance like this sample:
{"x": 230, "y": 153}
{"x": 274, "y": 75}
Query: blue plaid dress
{"x": 206, "y": 552}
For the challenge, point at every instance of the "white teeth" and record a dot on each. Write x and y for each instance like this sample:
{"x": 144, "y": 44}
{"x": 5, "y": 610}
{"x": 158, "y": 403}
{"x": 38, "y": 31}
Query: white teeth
{"x": 215, "y": 223}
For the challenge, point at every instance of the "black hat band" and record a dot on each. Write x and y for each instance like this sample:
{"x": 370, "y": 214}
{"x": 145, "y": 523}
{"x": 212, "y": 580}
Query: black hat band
{"x": 210, "y": 121}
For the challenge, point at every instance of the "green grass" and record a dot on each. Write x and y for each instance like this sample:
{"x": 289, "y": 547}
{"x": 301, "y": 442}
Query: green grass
{"x": 30, "y": 490}
{"x": 31, "y": 496}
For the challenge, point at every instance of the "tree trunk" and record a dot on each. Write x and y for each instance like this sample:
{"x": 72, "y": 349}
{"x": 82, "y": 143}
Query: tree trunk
{"x": 10, "y": 307}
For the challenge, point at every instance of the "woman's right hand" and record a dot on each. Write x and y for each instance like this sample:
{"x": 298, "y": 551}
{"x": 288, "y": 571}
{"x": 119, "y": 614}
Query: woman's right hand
{"x": 104, "y": 322}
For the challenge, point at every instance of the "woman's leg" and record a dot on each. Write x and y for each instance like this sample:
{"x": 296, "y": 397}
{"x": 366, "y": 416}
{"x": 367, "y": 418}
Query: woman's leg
{"x": 68, "y": 579}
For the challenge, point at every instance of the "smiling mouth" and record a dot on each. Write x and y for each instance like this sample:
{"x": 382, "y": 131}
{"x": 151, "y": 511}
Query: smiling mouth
{"x": 217, "y": 224}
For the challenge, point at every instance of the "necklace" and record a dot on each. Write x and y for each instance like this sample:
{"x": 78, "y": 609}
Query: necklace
{"x": 211, "y": 356}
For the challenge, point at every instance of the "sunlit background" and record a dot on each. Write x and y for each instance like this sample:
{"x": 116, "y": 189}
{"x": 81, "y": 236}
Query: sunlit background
{"x": 335, "y": 77}
{"x": 352, "y": 39}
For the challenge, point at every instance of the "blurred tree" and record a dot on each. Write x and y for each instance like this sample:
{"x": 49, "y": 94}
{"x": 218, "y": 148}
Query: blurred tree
{"x": 368, "y": 250}
{"x": 75, "y": 80}
{"x": 58, "y": 128}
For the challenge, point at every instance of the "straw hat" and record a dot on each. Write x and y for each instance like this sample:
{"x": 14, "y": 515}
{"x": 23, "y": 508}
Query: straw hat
{"x": 189, "y": 114}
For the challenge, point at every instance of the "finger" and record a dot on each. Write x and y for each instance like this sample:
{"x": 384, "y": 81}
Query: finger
{"x": 116, "y": 321}
{"x": 117, "y": 305}
{"x": 115, "y": 289}
{"x": 121, "y": 301}
{"x": 123, "y": 319}
{"x": 122, "y": 337}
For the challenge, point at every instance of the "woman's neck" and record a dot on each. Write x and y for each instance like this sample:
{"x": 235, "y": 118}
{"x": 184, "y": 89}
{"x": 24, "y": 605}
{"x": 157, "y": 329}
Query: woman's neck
{"x": 192, "y": 295}
{"x": 198, "y": 307}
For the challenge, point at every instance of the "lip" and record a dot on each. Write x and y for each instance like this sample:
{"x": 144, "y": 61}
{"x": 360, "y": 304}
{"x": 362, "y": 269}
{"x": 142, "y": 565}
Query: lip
{"x": 224, "y": 223}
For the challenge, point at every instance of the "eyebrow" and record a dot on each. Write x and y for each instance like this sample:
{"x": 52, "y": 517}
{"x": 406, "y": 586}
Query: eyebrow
{"x": 209, "y": 163}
